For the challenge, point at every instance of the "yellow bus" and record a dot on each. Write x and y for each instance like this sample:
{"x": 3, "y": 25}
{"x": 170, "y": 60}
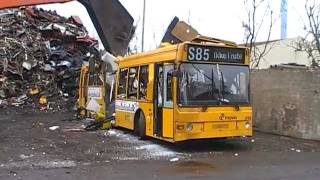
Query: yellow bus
{"x": 191, "y": 90}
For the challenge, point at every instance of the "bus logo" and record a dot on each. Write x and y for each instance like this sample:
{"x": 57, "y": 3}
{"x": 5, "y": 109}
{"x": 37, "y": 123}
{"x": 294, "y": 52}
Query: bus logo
{"x": 223, "y": 117}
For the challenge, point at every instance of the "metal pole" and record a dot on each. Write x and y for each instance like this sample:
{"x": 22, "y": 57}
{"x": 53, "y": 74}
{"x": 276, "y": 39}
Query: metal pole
{"x": 143, "y": 21}
{"x": 284, "y": 18}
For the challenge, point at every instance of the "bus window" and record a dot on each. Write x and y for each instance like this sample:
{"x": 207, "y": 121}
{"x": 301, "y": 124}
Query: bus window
{"x": 168, "y": 69}
{"x": 236, "y": 83}
{"x": 160, "y": 86}
{"x": 133, "y": 83}
{"x": 122, "y": 86}
{"x": 143, "y": 81}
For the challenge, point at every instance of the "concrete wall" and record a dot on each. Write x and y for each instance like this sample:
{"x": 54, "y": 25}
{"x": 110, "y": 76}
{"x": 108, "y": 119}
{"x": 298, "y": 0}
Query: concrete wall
{"x": 287, "y": 102}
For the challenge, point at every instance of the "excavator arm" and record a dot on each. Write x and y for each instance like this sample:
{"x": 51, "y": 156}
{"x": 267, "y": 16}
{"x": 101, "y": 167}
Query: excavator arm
{"x": 112, "y": 21}
{"x": 18, "y": 3}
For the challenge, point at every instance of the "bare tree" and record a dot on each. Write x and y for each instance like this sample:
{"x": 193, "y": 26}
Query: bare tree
{"x": 252, "y": 26}
{"x": 310, "y": 43}
{"x": 133, "y": 45}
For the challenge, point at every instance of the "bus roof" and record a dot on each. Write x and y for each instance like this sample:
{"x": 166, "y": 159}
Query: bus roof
{"x": 162, "y": 54}
{"x": 171, "y": 52}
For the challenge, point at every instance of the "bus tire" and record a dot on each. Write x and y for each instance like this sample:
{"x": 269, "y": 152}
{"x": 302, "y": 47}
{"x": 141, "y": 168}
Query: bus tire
{"x": 136, "y": 123}
{"x": 142, "y": 126}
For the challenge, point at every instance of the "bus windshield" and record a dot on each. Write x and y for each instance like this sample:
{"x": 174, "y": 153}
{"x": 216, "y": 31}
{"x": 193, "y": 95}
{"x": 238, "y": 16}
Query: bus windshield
{"x": 213, "y": 84}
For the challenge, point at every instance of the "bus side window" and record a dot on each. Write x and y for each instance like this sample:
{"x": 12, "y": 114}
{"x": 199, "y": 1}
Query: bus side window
{"x": 168, "y": 80}
{"x": 133, "y": 83}
{"x": 122, "y": 83}
{"x": 169, "y": 86}
{"x": 143, "y": 81}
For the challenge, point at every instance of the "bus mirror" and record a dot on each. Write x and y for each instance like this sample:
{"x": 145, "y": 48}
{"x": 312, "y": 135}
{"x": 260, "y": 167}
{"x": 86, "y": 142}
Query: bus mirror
{"x": 176, "y": 73}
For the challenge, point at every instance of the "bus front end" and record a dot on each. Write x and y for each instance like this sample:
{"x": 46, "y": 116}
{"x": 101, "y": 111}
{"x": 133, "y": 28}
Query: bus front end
{"x": 213, "y": 95}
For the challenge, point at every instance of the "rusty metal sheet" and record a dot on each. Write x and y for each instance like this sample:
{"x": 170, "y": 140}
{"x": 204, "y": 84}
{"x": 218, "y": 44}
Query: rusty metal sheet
{"x": 179, "y": 31}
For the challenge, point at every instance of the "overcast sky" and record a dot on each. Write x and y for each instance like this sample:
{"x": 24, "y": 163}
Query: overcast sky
{"x": 215, "y": 18}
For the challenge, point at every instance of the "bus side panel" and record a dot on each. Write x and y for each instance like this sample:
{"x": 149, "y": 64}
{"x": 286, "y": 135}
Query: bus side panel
{"x": 167, "y": 130}
{"x": 147, "y": 109}
{"x": 123, "y": 119}
{"x": 82, "y": 85}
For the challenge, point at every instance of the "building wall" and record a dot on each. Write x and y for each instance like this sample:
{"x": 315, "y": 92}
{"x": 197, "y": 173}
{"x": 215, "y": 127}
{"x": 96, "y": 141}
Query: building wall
{"x": 283, "y": 51}
{"x": 287, "y": 102}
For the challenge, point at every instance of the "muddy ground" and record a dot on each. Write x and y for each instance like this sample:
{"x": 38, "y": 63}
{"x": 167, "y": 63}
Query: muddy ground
{"x": 29, "y": 149}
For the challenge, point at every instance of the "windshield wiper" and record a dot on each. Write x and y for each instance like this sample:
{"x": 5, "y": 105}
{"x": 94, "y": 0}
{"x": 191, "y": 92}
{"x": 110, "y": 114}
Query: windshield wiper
{"x": 221, "y": 79}
{"x": 225, "y": 101}
{"x": 213, "y": 84}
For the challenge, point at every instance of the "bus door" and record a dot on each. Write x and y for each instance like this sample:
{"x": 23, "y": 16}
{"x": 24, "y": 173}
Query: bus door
{"x": 163, "y": 104}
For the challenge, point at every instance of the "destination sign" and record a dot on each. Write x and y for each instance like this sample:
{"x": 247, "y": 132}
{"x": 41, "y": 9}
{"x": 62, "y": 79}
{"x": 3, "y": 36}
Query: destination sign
{"x": 215, "y": 54}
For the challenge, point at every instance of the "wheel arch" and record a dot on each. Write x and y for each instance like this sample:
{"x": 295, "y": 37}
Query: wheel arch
{"x": 136, "y": 118}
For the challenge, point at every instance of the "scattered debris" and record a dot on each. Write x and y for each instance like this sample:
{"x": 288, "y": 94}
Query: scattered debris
{"x": 142, "y": 149}
{"x": 111, "y": 132}
{"x": 34, "y": 90}
{"x": 43, "y": 100}
{"x": 174, "y": 159}
{"x": 156, "y": 150}
{"x": 41, "y": 164}
{"x": 13, "y": 173}
{"x": 54, "y": 127}
{"x": 74, "y": 130}
{"x": 126, "y": 158}
{"x": 22, "y": 156}
{"x": 37, "y": 124}
{"x": 296, "y": 150}
{"x": 3, "y": 103}
{"x": 41, "y": 55}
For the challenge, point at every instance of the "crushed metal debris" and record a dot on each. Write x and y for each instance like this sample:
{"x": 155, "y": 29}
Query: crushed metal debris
{"x": 41, "y": 54}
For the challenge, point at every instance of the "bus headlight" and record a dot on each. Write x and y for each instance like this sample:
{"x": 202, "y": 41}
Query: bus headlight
{"x": 247, "y": 125}
{"x": 189, "y": 127}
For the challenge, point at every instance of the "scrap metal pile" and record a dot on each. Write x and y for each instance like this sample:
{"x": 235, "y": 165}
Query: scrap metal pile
{"x": 41, "y": 54}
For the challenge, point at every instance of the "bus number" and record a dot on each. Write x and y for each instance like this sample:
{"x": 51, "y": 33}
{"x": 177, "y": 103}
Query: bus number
{"x": 198, "y": 54}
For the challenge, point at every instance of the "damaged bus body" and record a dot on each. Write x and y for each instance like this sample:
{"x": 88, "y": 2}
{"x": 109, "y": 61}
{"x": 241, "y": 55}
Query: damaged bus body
{"x": 192, "y": 90}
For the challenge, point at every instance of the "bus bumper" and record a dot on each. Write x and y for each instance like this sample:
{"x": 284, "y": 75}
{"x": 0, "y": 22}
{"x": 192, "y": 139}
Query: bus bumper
{"x": 212, "y": 131}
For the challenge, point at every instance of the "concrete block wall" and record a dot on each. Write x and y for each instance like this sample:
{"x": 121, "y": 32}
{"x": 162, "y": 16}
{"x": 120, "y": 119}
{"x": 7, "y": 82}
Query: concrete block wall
{"x": 287, "y": 102}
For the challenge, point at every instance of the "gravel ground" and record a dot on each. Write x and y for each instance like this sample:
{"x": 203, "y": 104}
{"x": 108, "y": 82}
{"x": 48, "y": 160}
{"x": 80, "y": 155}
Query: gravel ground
{"x": 42, "y": 145}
